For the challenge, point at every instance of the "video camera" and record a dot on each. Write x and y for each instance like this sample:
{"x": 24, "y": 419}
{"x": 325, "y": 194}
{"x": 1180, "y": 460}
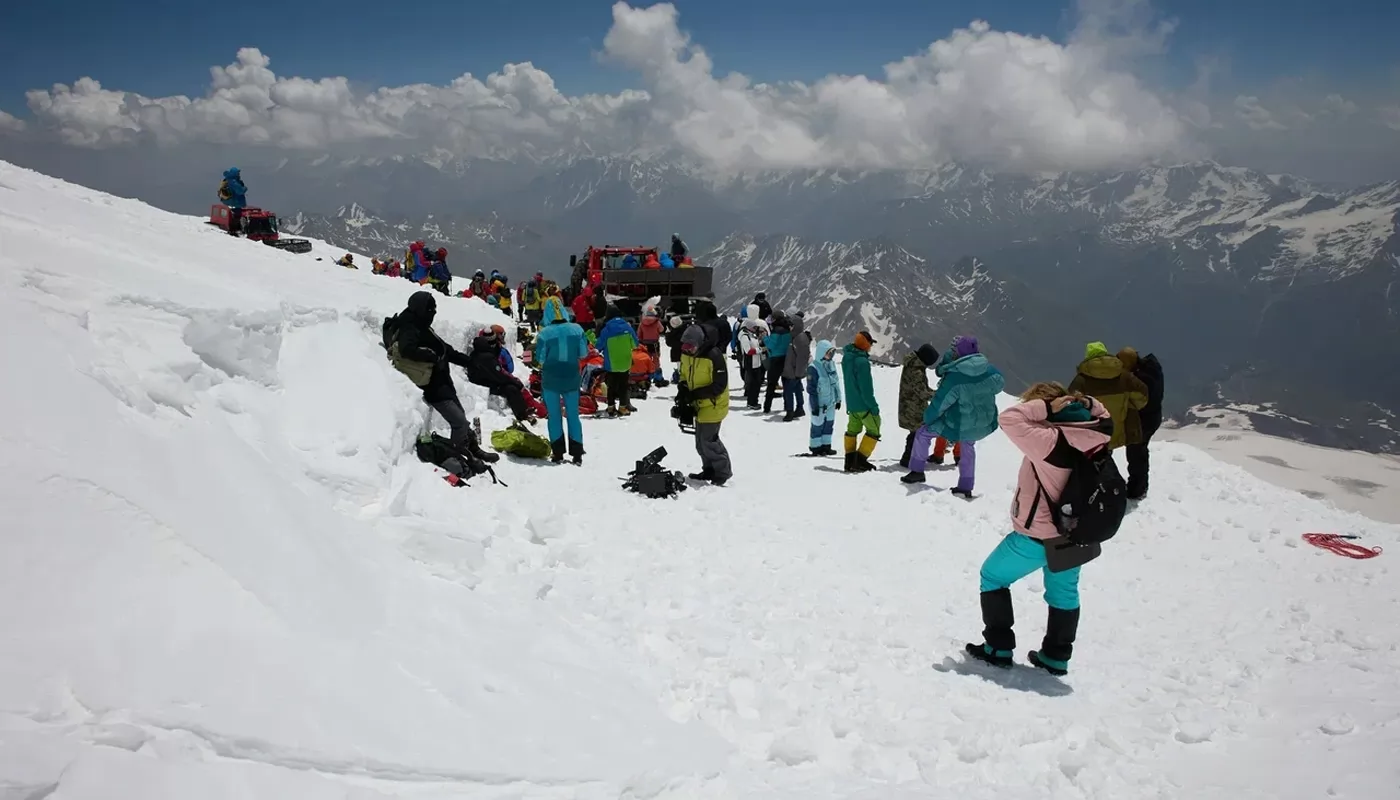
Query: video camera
{"x": 683, "y": 412}
{"x": 651, "y": 480}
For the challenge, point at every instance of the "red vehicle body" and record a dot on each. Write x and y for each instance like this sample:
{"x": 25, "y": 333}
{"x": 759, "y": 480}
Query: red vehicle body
{"x": 258, "y": 225}
{"x": 678, "y": 288}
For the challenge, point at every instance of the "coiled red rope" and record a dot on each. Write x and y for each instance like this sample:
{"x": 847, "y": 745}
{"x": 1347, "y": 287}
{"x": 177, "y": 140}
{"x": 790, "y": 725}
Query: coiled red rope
{"x": 1341, "y": 545}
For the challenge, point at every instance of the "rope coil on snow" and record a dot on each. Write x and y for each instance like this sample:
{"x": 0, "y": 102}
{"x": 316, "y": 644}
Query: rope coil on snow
{"x": 1340, "y": 545}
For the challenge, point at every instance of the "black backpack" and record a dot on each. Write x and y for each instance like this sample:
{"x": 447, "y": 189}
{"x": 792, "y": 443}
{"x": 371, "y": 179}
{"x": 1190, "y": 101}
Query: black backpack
{"x": 1094, "y": 501}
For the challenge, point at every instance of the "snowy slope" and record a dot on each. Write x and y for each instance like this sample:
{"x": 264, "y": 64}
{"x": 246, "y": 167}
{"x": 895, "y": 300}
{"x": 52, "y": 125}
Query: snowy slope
{"x": 225, "y": 576}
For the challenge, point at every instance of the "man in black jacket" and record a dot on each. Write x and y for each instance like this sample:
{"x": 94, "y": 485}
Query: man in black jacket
{"x": 1149, "y": 371}
{"x": 484, "y": 369}
{"x": 418, "y": 342}
{"x": 765, "y": 311}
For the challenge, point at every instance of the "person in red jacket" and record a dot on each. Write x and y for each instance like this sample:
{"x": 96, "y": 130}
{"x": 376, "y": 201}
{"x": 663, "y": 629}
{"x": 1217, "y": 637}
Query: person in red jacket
{"x": 583, "y": 308}
{"x": 649, "y": 333}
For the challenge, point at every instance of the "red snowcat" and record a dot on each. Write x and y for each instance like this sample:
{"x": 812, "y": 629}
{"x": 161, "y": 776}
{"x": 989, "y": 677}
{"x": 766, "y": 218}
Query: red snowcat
{"x": 630, "y": 288}
{"x": 258, "y": 225}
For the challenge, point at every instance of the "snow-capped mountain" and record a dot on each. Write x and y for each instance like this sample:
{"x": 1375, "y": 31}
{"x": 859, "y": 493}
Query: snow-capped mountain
{"x": 1250, "y": 283}
{"x": 900, "y": 298}
{"x": 472, "y": 242}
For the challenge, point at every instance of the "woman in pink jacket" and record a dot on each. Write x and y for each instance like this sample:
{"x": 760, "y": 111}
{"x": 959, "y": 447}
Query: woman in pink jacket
{"x": 1047, "y": 424}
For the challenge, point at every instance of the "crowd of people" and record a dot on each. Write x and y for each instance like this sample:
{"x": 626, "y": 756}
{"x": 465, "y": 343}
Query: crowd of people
{"x": 1113, "y": 401}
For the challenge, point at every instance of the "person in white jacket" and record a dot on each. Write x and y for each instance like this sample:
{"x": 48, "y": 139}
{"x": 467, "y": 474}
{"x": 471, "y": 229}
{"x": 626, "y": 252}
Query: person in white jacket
{"x": 752, "y": 331}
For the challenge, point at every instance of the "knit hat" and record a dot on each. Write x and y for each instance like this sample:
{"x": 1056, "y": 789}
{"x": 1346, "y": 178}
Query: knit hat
{"x": 1073, "y": 412}
{"x": 1129, "y": 357}
{"x": 928, "y": 354}
{"x": 1095, "y": 350}
{"x": 693, "y": 339}
{"x": 965, "y": 346}
{"x": 864, "y": 340}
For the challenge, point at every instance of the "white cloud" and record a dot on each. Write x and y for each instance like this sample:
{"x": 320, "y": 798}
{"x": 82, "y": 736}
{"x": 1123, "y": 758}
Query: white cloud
{"x": 1006, "y": 99}
{"x": 1249, "y": 109}
{"x": 1390, "y": 117}
{"x": 1338, "y": 105}
{"x": 8, "y": 122}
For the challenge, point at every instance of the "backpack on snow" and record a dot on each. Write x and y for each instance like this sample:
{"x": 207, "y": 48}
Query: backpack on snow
{"x": 518, "y": 441}
{"x": 1095, "y": 499}
{"x": 420, "y": 372}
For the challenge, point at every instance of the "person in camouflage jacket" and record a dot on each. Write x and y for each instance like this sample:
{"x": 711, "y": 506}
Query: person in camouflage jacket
{"x": 914, "y": 394}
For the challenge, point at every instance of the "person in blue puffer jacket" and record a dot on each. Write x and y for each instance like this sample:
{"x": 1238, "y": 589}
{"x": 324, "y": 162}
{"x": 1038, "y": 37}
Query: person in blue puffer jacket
{"x": 823, "y": 398}
{"x": 963, "y": 409}
{"x": 234, "y": 195}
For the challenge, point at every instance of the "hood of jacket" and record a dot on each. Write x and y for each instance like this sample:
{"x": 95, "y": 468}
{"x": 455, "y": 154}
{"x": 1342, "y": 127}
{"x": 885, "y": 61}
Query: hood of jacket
{"x": 232, "y": 173}
{"x": 823, "y": 347}
{"x": 1129, "y": 357}
{"x": 854, "y": 352}
{"x": 693, "y": 340}
{"x": 972, "y": 366}
{"x": 795, "y": 323}
{"x": 751, "y": 311}
{"x": 1103, "y": 367}
{"x": 422, "y": 307}
{"x": 1094, "y": 350}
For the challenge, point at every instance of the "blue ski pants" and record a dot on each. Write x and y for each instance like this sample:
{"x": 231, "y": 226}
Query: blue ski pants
{"x": 1019, "y": 555}
{"x": 569, "y": 402}
{"x": 823, "y": 426}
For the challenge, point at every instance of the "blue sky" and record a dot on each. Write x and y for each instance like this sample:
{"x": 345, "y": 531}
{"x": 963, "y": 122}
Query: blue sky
{"x": 162, "y": 47}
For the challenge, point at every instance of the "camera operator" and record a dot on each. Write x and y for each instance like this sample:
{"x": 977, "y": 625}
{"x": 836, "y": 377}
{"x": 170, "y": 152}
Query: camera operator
{"x": 704, "y": 393}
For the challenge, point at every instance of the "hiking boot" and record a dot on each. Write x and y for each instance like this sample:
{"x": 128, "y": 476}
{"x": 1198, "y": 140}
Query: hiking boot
{"x": 703, "y": 475}
{"x": 1057, "y": 668}
{"x": 965, "y": 494}
{"x": 482, "y": 455}
{"x": 790, "y": 416}
{"x": 913, "y": 477}
{"x": 828, "y": 450}
{"x": 985, "y": 654}
{"x": 625, "y": 411}
{"x": 612, "y": 411}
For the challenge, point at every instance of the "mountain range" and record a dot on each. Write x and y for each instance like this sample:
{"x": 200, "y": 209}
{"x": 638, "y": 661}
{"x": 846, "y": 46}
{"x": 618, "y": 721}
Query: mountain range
{"x": 1256, "y": 291}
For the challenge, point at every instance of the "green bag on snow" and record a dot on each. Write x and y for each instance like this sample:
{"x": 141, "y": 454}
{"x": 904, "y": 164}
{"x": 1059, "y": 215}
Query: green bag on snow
{"x": 518, "y": 441}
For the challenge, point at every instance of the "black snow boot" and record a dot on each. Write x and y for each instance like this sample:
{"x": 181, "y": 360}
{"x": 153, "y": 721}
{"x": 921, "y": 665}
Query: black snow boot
{"x": 985, "y": 653}
{"x": 850, "y": 463}
{"x": 998, "y": 619}
{"x": 913, "y": 477}
{"x": 862, "y": 464}
{"x": 576, "y": 451}
{"x": 828, "y": 450}
{"x": 702, "y": 475}
{"x": 557, "y": 448}
{"x": 1055, "y": 650}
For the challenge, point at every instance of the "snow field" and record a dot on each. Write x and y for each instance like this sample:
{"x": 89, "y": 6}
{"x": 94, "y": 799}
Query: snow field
{"x": 225, "y": 575}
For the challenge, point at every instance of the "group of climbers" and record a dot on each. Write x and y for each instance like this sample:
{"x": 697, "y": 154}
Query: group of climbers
{"x": 1113, "y": 401}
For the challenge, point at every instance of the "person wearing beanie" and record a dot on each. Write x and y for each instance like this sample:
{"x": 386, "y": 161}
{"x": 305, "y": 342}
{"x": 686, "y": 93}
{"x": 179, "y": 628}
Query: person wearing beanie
{"x": 1148, "y": 370}
{"x": 1044, "y": 426}
{"x": 1102, "y": 376}
{"x": 824, "y": 397}
{"x": 964, "y": 410}
{"x": 559, "y": 350}
{"x": 862, "y": 409}
{"x": 914, "y": 394}
{"x": 704, "y": 386}
{"x": 799, "y": 357}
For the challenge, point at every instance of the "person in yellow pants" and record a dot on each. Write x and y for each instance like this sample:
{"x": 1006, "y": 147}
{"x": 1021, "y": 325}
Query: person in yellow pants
{"x": 862, "y": 409}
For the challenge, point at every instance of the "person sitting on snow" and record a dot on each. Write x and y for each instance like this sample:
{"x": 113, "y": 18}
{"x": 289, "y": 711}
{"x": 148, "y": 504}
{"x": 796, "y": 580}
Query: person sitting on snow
{"x": 347, "y": 260}
{"x": 484, "y": 369}
{"x": 417, "y": 341}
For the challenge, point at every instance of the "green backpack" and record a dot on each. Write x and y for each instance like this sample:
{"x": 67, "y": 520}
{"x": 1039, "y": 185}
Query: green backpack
{"x": 518, "y": 441}
{"x": 420, "y": 372}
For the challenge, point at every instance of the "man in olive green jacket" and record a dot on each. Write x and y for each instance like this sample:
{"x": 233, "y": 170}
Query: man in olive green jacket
{"x": 1103, "y": 377}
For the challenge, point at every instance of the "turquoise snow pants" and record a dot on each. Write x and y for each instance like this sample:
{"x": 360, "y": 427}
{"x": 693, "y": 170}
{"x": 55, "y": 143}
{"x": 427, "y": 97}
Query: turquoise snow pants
{"x": 1019, "y": 555}
{"x": 552, "y": 401}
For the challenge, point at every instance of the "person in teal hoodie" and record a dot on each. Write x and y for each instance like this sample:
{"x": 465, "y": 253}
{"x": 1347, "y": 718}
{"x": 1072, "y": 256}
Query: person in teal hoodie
{"x": 862, "y": 409}
{"x": 776, "y": 343}
{"x": 616, "y": 341}
{"x": 559, "y": 350}
{"x": 823, "y": 398}
{"x": 964, "y": 410}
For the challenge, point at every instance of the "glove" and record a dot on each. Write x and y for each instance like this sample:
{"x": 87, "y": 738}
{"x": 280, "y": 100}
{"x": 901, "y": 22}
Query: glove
{"x": 838, "y": 405}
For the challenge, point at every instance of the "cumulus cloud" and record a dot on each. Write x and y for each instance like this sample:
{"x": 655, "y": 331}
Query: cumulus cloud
{"x": 1252, "y": 112}
{"x": 9, "y": 122}
{"x": 1000, "y": 98}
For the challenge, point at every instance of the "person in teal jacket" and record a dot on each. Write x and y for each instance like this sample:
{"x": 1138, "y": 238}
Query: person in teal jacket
{"x": 823, "y": 398}
{"x": 963, "y": 410}
{"x": 616, "y": 341}
{"x": 862, "y": 409}
{"x": 559, "y": 350}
